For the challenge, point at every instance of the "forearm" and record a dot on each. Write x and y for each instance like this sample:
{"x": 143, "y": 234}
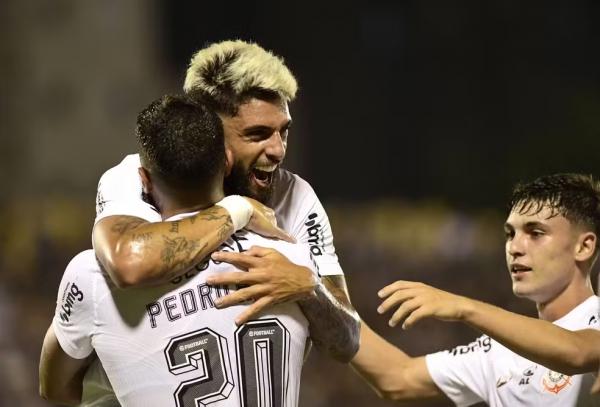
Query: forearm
{"x": 334, "y": 325}
{"x": 137, "y": 253}
{"x": 372, "y": 358}
{"x": 60, "y": 377}
{"x": 390, "y": 372}
{"x": 569, "y": 352}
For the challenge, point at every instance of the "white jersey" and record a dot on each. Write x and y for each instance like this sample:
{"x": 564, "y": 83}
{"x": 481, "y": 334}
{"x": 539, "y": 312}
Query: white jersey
{"x": 487, "y": 371}
{"x": 297, "y": 208}
{"x": 169, "y": 345}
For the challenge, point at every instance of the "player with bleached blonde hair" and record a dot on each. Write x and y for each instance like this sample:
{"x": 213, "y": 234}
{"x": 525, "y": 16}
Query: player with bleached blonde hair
{"x": 249, "y": 88}
{"x": 229, "y": 71}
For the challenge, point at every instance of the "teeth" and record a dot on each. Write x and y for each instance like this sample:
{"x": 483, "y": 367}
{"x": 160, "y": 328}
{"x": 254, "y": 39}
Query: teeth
{"x": 266, "y": 168}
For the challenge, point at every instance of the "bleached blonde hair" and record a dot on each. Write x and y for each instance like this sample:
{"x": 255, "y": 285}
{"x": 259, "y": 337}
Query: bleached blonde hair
{"x": 229, "y": 71}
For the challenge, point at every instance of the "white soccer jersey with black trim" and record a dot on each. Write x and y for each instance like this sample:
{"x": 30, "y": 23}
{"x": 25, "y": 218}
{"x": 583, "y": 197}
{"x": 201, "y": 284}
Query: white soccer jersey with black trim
{"x": 487, "y": 371}
{"x": 297, "y": 208}
{"x": 170, "y": 346}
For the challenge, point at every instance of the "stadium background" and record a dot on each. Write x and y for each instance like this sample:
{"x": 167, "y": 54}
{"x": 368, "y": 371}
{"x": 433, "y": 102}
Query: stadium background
{"x": 414, "y": 118}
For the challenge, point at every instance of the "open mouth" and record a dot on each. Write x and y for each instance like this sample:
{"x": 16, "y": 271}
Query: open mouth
{"x": 263, "y": 176}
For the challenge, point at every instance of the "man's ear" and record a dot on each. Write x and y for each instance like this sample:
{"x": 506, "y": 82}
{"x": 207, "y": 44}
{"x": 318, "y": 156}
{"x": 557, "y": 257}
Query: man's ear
{"x": 228, "y": 161}
{"x": 586, "y": 246}
{"x": 146, "y": 180}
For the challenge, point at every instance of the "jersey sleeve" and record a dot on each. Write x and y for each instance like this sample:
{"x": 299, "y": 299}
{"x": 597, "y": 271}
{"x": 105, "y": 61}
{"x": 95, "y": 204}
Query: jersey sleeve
{"x": 73, "y": 320}
{"x": 312, "y": 227}
{"x": 460, "y": 372}
{"x": 120, "y": 193}
{"x": 300, "y": 254}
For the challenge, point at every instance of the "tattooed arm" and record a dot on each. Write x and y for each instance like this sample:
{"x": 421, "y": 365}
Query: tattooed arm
{"x": 338, "y": 332}
{"x": 135, "y": 252}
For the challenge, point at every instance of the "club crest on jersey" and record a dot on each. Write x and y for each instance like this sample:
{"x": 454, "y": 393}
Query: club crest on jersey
{"x": 554, "y": 382}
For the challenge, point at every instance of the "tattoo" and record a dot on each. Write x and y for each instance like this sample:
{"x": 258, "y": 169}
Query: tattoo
{"x": 126, "y": 225}
{"x": 333, "y": 324}
{"x": 180, "y": 254}
{"x": 174, "y": 227}
{"x": 210, "y": 214}
{"x": 142, "y": 237}
{"x": 224, "y": 231}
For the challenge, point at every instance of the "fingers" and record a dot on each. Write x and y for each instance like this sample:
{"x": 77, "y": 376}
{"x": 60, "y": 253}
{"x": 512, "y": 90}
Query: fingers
{"x": 252, "y": 310}
{"x": 415, "y": 316}
{"x": 240, "y": 296}
{"x": 404, "y": 311}
{"x": 235, "y": 277}
{"x": 596, "y": 387}
{"x": 398, "y": 285}
{"x": 395, "y": 299}
{"x": 283, "y": 235}
{"x": 259, "y": 251}
{"x": 240, "y": 260}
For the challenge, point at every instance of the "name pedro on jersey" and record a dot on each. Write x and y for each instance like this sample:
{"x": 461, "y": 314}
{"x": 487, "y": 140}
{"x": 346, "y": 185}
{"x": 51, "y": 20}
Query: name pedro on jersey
{"x": 185, "y": 303}
{"x": 192, "y": 300}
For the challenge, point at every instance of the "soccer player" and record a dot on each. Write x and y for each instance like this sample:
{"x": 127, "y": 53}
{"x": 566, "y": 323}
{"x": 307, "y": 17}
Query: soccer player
{"x": 169, "y": 345}
{"x": 551, "y": 244}
{"x": 250, "y": 89}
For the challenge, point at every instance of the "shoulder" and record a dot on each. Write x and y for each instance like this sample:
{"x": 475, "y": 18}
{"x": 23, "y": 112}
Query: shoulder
{"x": 288, "y": 181}
{"x": 83, "y": 262}
{"x": 298, "y": 253}
{"x": 131, "y": 162}
{"x": 292, "y": 194}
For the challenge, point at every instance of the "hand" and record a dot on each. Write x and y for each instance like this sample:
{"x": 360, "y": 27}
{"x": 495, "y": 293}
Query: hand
{"x": 271, "y": 279}
{"x": 417, "y": 301}
{"x": 264, "y": 223}
{"x": 596, "y": 387}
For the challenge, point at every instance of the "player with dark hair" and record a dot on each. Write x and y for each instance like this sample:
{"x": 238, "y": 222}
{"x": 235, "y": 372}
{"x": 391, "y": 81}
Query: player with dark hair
{"x": 170, "y": 345}
{"x": 551, "y": 245}
{"x": 250, "y": 89}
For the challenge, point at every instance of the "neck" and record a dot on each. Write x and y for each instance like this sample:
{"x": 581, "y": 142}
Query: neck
{"x": 185, "y": 203}
{"x": 566, "y": 301}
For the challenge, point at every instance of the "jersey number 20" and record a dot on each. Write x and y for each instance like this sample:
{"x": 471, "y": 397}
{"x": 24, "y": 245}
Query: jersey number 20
{"x": 262, "y": 353}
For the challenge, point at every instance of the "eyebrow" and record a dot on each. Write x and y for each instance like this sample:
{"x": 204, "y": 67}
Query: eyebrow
{"x": 528, "y": 225}
{"x": 262, "y": 128}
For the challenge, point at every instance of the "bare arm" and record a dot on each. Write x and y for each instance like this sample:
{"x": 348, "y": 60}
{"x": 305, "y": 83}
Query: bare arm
{"x": 273, "y": 279}
{"x": 135, "y": 252}
{"x": 334, "y": 324}
{"x": 570, "y": 352}
{"x": 60, "y": 375}
{"x": 390, "y": 372}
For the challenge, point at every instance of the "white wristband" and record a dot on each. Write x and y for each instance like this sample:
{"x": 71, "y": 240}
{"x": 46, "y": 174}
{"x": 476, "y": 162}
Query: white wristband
{"x": 240, "y": 210}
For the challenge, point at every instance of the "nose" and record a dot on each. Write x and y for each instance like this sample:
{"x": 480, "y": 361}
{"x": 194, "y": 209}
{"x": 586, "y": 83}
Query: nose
{"x": 515, "y": 246}
{"x": 275, "y": 148}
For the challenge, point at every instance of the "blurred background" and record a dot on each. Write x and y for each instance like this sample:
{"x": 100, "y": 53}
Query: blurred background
{"x": 413, "y": 121}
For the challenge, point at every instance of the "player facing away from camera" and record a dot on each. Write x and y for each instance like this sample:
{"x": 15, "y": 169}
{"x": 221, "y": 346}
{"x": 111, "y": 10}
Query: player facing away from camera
{"x": 250, "y": 90}
{"x": 551, "y": 244}
{"x": 169, "y": 345}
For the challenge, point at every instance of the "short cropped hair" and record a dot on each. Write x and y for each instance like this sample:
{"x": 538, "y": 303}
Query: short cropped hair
{"x": 181, "y": 142}
{"x": 574, "y": 196}
{"x": 228, "y": 73}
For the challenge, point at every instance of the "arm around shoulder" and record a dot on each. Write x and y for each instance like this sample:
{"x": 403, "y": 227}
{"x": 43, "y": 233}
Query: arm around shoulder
{"x": 135, "y": 252}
